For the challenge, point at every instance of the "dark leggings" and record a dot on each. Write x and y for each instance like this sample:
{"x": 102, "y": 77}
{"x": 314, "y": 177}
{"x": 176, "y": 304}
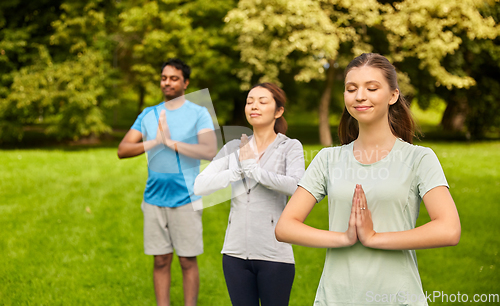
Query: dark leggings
{"x": 250, "y": 280}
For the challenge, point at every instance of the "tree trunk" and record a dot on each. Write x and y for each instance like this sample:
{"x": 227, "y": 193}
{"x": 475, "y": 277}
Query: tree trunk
{"x": 325, "y": 135}
{"x": 142, "y": 94}
{"x": 455, "y": 114}
{"x": 238, "y": 116}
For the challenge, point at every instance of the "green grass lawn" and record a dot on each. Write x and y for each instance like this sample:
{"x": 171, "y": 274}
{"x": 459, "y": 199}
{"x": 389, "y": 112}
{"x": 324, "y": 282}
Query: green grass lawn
{"x": 71, "y": 231}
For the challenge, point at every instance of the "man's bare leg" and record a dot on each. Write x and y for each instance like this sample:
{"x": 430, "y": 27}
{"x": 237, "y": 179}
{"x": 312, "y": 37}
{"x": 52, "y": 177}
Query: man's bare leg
{"x": 161, "y": 278}
{"x": 190, "y": 280}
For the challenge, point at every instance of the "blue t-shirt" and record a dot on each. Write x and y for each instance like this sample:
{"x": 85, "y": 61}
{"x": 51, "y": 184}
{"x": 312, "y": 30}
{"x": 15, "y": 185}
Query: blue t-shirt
{"x": 171, "y": 175}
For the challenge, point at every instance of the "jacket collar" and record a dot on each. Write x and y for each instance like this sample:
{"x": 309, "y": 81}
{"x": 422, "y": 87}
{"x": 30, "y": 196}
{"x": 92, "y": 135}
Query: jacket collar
{"x": 280, "y": 138}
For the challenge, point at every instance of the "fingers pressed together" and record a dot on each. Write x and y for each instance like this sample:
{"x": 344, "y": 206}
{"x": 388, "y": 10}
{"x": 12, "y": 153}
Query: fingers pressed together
{"x": 246, "y": 151}
{"x": 361, "y": 216}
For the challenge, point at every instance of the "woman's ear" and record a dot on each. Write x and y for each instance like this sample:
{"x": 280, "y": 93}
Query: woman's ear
{"x": 279, "y": 112}
{"x": 394, "y": 97}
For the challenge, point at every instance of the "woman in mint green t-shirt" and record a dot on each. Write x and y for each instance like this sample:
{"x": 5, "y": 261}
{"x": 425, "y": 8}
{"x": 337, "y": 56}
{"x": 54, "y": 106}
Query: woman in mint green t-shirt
{"x": 375, "y": 182}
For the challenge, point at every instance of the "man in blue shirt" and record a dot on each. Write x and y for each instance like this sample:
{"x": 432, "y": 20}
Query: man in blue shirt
{"x": 176, "y": 134}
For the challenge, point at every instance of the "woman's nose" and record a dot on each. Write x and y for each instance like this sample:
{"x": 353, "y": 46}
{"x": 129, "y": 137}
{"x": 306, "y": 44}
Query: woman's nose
{"x": 360, "y": 95}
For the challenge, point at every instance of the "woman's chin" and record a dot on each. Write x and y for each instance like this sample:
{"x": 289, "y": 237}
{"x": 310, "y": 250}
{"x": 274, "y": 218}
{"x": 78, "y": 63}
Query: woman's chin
{"x": 259, "y": 123}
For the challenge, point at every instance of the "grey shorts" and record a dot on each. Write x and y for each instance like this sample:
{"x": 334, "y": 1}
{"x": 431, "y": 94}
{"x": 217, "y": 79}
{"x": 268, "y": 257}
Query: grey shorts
{"x": 167, "y": 228}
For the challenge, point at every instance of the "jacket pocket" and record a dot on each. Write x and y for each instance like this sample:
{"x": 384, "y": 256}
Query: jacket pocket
{"x": 262, "y": 238}
{"x": 233, "y": 239}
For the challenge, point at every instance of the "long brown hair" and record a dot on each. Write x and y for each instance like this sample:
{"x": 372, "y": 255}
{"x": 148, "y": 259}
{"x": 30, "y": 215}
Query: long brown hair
{"x": 400, "y": 118}
{"x": 280, "y": 125}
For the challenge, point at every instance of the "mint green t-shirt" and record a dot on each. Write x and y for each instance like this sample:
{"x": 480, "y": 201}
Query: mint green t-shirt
{"x": 394, "y": 187}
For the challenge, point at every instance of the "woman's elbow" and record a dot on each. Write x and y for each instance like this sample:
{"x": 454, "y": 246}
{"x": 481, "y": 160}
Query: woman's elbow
{"x": 197, "y": 188}
{"x": 454, "y": 236}
{"x": 450, "y": 235}
{"x": 200, "y": 192}
{"x": 279, "y": 232}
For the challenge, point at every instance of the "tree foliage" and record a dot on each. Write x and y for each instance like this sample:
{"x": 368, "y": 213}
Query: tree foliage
{"x": 24, "y": 27}
{"x": 307, "y": 37}
{"x": 455, "y": 44}
{"x": 64, "y": 63}
{"x": 298, "y": 35}
{"x": 67, "y": 83}
{"x": 98, "y": 49}
{"x": 150, "y": 32}
{"x": 421, "y": 37}
{"x": 68, "y": 97}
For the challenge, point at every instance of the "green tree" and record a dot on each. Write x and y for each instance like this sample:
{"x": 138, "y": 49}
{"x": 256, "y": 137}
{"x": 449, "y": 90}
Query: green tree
{"x": 24, "y": 27}
{"x": 152, "y": 31}
{"x": 67, "y": 97}
{"x": 94, "y": 51}
{"x": 68, "y": 83}
{"x": 450, "y": 49}
{"x": 310, "y": 39}
{"x": 426, "y": 40}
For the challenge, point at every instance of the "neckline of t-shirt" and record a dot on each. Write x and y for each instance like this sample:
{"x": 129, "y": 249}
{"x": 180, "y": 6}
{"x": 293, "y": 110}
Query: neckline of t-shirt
{"x": 351, "y": 151}
{"x": 173, "y": 110}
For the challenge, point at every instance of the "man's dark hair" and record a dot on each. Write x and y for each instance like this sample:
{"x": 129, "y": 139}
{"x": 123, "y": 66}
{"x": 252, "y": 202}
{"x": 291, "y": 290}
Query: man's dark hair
{"x": 179, "y": 65}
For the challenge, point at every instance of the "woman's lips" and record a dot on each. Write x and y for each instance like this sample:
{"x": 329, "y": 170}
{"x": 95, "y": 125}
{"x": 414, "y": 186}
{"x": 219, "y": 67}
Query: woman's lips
{"x": 254, "y": 115}
{"x": 362, "y": 108}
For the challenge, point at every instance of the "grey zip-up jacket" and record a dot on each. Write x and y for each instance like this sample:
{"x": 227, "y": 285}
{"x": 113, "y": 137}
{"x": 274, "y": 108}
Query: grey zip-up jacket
{"x": 259, "y": 194}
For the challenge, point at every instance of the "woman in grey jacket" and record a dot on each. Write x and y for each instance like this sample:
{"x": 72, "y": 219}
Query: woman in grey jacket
{"x": 263, "y": 171}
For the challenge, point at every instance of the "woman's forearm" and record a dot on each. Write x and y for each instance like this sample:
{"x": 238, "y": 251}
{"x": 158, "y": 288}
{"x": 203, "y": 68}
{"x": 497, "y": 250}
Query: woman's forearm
{"x": 217, "y": 175}
{"x": 282, "y": 183}
{"x": 434, "y": 234}
{"x": 296, "y": 232}
{"x": 206, "y": 183}
{"x": 291, "y": 228}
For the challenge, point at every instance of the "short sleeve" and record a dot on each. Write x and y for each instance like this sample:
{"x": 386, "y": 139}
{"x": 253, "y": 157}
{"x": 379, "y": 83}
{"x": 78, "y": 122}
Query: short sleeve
{"x": 138, "y": 122}
{"x": 204, "y": 120}
{"x": 315, "y": 177}
{"x": 430, "y": 174}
